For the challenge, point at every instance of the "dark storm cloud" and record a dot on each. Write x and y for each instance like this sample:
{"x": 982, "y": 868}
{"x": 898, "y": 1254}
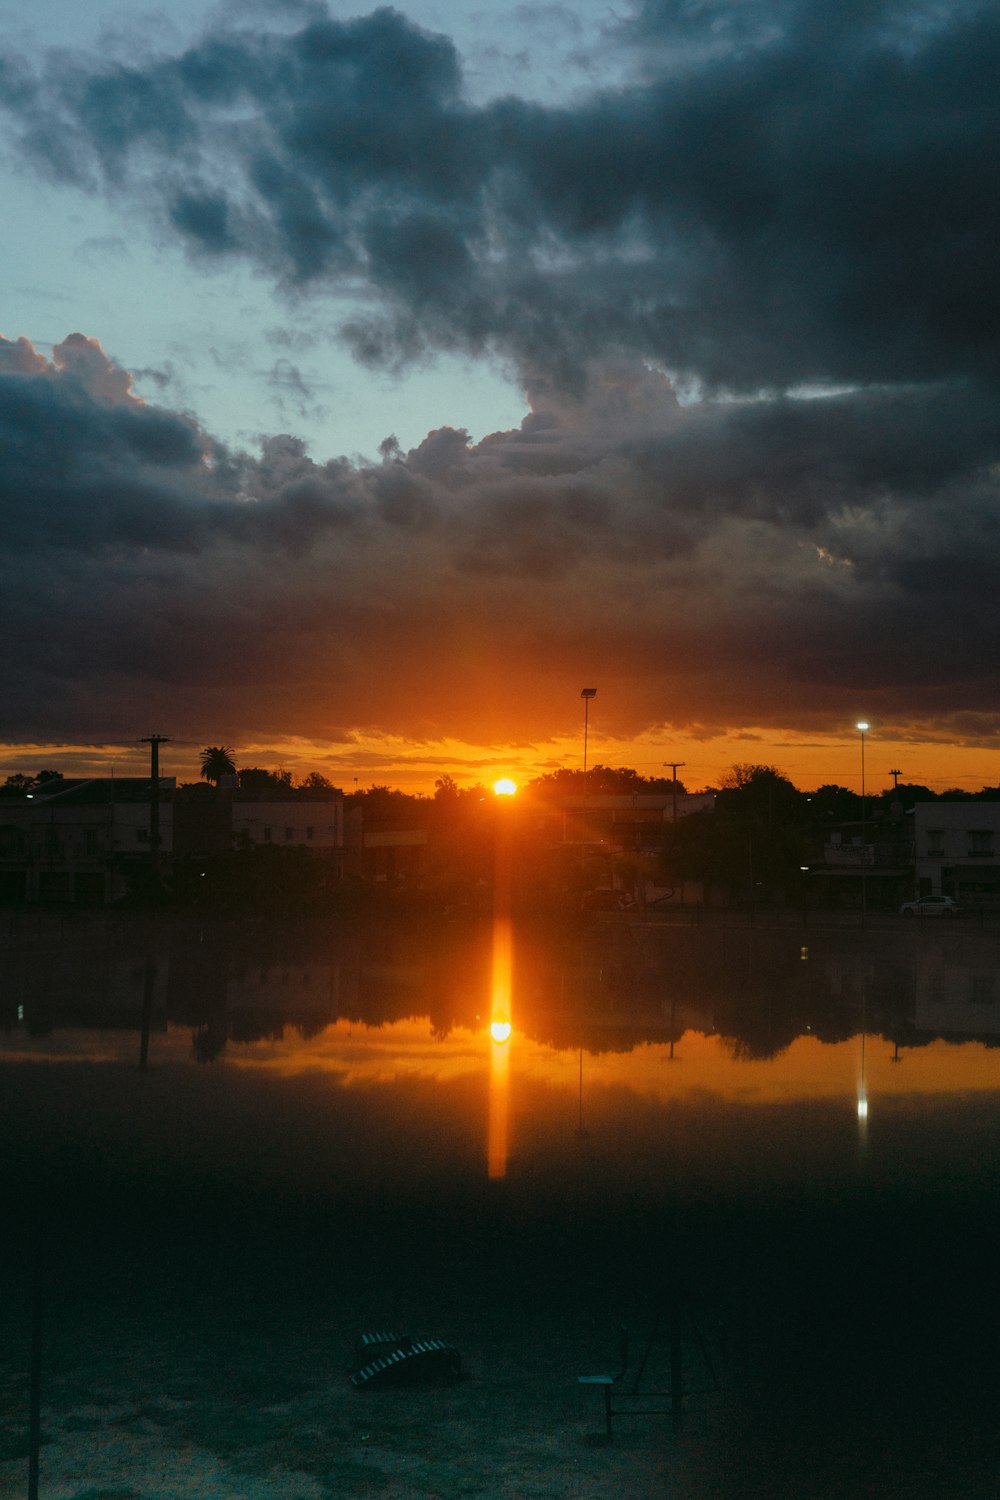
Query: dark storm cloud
{"x": 810, "y": 194}
{"x": 88, "y": 466}
{"x": 720, "y": 562}
{"x": 787, "y": 201}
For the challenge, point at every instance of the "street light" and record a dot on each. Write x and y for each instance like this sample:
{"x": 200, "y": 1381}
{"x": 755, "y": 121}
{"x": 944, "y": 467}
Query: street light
{"x": 862, "y": 726}
{"x": 586, "y": 694}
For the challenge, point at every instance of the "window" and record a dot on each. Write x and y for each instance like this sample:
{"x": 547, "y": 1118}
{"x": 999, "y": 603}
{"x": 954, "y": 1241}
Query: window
{"x": 267, "y": 835}
{"x": 289, "y": 835}
{"x": 90, "y": 843}
{"x": 981, "y": 841}
{"x": 935, "y": 841}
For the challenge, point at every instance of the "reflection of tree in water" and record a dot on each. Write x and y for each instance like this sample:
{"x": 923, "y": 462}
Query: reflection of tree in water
{"x": 308, "y": 1029}
{"x": 761, "y": 1043}
{"x": 608, "y": 989}
{"x": 207, "y": 1045}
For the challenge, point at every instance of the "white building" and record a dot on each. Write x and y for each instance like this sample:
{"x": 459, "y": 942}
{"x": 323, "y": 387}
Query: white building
{"x": 957, "y": 851}
{"x": 315, "y": 824}
{"x": 75, "y": 840}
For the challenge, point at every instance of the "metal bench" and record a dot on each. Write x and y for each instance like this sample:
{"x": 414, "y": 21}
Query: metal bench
{"x": 404, "y": 1360}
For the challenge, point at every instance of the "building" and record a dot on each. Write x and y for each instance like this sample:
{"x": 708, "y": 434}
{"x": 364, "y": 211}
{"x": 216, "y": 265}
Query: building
{"x": 295, "y": 821}
{"x": 80, "y": 841}
{"x": 957, "y": 851}
{"x": 85, "y": 841}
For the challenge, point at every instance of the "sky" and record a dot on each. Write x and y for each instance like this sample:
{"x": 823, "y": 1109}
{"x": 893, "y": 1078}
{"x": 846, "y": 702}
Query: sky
{"x": 374, "y": 380}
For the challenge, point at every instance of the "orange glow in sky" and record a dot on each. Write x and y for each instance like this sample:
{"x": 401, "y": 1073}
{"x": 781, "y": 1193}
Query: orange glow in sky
{"x": 808, "y": 760}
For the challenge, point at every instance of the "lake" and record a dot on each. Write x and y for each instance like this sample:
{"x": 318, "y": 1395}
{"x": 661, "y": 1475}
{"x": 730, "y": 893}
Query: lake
{"x": 771, "y": 1152}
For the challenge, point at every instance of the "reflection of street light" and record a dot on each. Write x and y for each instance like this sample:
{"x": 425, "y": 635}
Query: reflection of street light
{"x": 805, "y": 894}
{"x": 862, "y": 727}
{"x": 862, "y": 1082}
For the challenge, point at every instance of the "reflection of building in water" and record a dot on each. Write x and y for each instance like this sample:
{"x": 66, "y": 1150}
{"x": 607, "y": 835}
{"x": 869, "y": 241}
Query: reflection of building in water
{"x": 305, "y": 988}
{"x": 957, "y": 848}
{"x": 957, "y": 999}
{"x": 86, "y": 987}
{"x": 604, "y": 990}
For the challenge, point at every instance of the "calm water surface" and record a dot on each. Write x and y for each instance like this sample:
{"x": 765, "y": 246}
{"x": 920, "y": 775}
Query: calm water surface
{"x": 795, "y": 1133}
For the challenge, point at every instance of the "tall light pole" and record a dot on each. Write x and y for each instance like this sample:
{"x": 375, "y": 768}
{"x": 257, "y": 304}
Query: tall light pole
{"x": 674, "y": 766}
{"x": 862, "y": 726}
{"x": 586, "y": 694}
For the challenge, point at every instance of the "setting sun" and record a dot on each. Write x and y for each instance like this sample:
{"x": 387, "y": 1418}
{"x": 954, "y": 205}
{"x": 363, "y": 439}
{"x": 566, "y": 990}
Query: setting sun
{"x": 504, "y": 787}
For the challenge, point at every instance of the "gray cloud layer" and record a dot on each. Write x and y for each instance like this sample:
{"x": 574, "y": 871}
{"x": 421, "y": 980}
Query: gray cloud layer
{"x": 785, "y": 195}
{"x": 813, "y": 198}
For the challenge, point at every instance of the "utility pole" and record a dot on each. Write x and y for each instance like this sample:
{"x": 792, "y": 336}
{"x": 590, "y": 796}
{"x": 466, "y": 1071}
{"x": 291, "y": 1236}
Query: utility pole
{"x": 154, "y": 741}
{"x": 674, "y": 765}
{"x": 895, "y": 780}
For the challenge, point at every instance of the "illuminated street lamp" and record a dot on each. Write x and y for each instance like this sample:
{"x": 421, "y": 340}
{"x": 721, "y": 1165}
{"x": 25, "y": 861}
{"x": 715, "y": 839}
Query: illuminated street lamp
{"x": 862, "y": 726}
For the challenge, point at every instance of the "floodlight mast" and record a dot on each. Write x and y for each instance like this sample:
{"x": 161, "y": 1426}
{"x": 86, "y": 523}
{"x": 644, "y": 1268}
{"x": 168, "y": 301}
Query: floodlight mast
{"x": 863, "y": 727}
{"x": 586, "y": 694}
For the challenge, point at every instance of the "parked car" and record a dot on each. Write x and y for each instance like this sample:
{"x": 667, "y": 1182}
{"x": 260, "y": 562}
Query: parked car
{"x": 930, "y": 906}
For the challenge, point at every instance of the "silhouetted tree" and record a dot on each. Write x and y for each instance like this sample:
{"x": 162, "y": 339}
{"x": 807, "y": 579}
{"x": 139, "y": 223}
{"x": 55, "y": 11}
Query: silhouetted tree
{"x": 255, "y": 779}
{"x": 316, "y": 782}
{"x": 20, "y": 785}
{"x": 216, "y": 762}
{"x": 622, "y": 780}
{"x": 760, "y": 792}
{"x": 17, "y": 785}
{"x": 910, "y": 792}
{"x": 833, "y": 804}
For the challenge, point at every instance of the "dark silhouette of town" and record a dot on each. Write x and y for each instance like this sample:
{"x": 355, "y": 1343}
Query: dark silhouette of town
{"x": 601, "y": 842}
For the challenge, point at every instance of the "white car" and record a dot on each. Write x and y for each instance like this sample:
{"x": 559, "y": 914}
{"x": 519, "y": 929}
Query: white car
{"x": 930, "y": 906}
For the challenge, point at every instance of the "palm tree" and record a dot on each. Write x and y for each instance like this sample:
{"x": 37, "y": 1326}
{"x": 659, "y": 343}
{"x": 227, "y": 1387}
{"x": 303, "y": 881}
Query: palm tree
{"x": 217, "y": 761}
